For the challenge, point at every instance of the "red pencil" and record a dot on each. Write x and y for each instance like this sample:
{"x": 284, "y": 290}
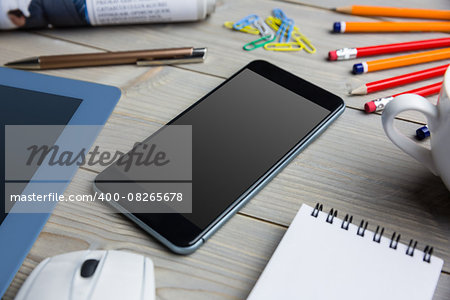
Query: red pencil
{"x": 380, "y": 103}
{"x": 399, "y": 80}
{"x": 350, "y": 53}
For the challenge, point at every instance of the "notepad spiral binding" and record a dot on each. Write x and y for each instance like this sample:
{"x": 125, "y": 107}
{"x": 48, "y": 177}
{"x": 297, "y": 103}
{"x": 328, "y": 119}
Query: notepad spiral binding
{"x": 377, "y": 235}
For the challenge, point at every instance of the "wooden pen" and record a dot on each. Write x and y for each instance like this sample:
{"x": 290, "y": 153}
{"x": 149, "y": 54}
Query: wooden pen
{"x": 139, "y": 57}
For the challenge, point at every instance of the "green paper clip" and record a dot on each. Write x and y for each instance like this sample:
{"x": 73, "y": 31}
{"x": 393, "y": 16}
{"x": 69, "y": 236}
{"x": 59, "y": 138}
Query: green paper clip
{"x": 259, "y": 42}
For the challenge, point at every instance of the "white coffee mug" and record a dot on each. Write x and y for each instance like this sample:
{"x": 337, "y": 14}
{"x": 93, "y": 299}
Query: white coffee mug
{"x": 438, "y": 158}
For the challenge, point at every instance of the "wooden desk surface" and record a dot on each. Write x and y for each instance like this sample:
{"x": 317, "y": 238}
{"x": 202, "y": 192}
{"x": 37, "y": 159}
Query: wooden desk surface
{"x": 352, "y": 167}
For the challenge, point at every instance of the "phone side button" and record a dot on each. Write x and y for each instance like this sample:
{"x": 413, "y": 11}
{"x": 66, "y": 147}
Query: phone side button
{"x": 210, "y": 233}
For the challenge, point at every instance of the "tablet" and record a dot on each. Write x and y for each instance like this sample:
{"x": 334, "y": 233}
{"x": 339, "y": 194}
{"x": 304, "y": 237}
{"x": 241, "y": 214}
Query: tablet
{"x": 33, "y": 99}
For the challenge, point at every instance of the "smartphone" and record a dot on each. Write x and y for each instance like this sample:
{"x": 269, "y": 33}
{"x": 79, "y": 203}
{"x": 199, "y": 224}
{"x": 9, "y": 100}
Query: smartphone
{"x": 243, "y": 133}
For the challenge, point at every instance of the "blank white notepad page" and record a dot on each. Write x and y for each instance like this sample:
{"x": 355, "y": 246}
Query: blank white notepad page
{"x": 319, "y": 260}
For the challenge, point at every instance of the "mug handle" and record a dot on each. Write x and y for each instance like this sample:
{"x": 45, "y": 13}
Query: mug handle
{"x": 410, "y": 102}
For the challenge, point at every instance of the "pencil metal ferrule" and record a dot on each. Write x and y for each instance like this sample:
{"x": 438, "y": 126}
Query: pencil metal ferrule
{"x": 346, "y": 53}
{"x": 381, "y": 103}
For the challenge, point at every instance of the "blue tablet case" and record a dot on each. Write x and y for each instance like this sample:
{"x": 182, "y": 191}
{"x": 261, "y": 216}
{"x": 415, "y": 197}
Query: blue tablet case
{"x": 18, "y": 231}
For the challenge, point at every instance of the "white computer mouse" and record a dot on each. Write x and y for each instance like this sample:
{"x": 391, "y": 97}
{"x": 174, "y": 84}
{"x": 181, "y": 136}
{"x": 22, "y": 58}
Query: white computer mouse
{"x": 91, "y": 275}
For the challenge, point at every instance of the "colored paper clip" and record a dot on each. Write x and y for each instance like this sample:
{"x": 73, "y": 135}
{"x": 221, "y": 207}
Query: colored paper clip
{"x": 286, "y": 24}
{"x": 279, "y": 14}
{"x": 280, "y": 27}
{"x": 273, "y": 23}
{"x": 286, "y": 30}
{"x": 291, "y": 46}
{"x": 246, "y": 29}
{"x": 263, "y": 28}
{"x": 301, "y": 39}
{"x": 267, "y": 36}
{"x": 259, "y": 42}
{"x": 248, "y": 20}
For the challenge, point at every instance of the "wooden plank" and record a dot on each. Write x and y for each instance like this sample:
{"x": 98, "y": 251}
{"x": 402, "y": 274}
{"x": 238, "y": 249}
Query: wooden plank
{"x": 226, "y": 267}
{"x": 226, "y": 56}
{"x": 353, "y": 167}
{"x": 17, "y": 44}
{"x": 162, "y": 93}
{"x": 443, "y": 287}
{"x": 414, "y": 202}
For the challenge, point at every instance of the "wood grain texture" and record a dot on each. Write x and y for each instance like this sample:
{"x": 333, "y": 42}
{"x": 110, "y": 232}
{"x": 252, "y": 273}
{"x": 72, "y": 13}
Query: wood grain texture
{"x": 443, "y": 287}
{"x": 226, "y": 267}
{"x": 225, "y": 54}
{"x": 352, "y": 167}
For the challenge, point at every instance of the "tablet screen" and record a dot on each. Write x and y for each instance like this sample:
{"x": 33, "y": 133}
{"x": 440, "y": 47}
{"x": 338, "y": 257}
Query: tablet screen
{"x": 26, "y": 107}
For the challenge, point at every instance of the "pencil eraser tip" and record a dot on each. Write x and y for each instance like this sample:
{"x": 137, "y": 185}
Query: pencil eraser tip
{"x": 370, "y": 107}
{"x": 332, "y": 55}
{"x": 358, "y": 68}
{"x": 337, "y": 27}
{"x": 422, "y": 133}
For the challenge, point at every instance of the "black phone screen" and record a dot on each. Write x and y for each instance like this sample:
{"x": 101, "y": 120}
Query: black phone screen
{"x": 240, "y": 131}
{"x": 26, "y": 107}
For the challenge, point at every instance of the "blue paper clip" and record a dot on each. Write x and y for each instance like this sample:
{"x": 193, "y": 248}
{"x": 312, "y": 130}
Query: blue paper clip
{"x": 287, "y": 24}
{"x": 248, "y": 20}
{"x": 291, "y": 27}
{"x": 279, "y": 14}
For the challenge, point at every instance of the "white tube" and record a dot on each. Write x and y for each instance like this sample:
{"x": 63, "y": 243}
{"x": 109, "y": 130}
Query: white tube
{"x": 104, "y": 12}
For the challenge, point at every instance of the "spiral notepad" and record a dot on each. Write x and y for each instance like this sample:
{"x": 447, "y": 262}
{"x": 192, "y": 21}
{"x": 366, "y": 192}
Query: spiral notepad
{"x": 324, "y": 257}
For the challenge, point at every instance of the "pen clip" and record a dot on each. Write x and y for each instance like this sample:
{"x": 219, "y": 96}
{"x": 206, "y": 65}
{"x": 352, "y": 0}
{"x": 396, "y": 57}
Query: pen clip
{"x": 198, "y": 55}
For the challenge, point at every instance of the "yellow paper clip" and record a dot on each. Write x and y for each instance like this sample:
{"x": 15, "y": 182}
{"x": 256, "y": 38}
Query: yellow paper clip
{"x": 246, "y": 29}
{"x": 302, "y": 40}
{"x": 299, "y": 38}
{"x": 273, "y": 22}
{"x": 281, "y": 29}
{"x": 291, "y": 46}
